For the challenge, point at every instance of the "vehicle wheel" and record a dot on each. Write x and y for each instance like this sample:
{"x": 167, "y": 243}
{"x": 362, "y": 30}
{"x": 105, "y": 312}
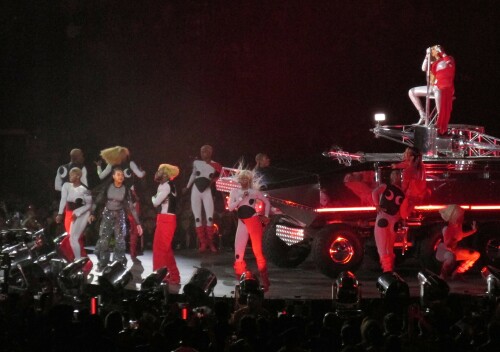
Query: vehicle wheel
{"x": 277, "y": 251}
{"x": 428, "y": 247}
{"x": 336, "y": 249}
{"x": 487, "y": 242}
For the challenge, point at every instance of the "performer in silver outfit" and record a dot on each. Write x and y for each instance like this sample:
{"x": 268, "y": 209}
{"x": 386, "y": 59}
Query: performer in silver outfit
{"x": 117, "y": 200}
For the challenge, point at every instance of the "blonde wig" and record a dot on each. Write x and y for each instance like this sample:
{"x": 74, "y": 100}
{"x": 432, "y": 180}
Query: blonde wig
{"x": 171, "y": 171}
{"x": 115, "y": 155}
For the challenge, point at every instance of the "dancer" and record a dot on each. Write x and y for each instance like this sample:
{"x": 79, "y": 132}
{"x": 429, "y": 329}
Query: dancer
{"x": 250, "y": 223}
{"x": 262, "y": 161}
{"x": 414, "y": 184}
{"x": 120, "y": 157}
{"x": 76, "y": 160}
{"x": 75, "y": 204}
{"x": 166, "y": 222}
{"x": 440, "y": 70}
{"x": 205, "y": 172}
{"x": 117, "y": 202}
{"x": 388, "y": 199}
{"x": 449, "y": 252}
{"x": 262, "y": 169}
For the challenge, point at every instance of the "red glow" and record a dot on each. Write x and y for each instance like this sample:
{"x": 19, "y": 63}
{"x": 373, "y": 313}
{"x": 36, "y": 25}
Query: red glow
{"x": 184, "y": 313}
{"x": 484, "y": 207}
{"x": 93, "y": 305}
{"x": 428, "y": 207}
{"x": 344, "y": 209}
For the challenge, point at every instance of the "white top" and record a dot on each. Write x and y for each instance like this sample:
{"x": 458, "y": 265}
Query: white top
{"x": 201, "y": 169}
{"x": 69, "y": 193}
{"x": 162, "y": 194}
{"x": 239, "y": 197}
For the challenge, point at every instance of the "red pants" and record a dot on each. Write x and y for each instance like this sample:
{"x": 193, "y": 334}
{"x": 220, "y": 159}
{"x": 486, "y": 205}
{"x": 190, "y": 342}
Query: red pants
{"x": 163, "y": 255}
{"x": 253, "y": 227}
{"x": 134, "y": 236}
{"x": 445, "y": 109}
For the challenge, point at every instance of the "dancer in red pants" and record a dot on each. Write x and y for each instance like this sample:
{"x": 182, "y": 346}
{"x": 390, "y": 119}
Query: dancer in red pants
{"x": 164, "y": 200}
{"x": 249, "y": 223}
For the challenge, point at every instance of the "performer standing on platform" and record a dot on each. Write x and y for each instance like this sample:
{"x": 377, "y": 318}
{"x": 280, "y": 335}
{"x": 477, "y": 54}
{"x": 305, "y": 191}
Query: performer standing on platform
{"x": 120, "y": 157}
{"x": 448, "y": 252}
{"x": 166, "y": 221}
{"x": 250, "y": 223}
{"x": 388, "y": 199}
{"x": 440, "y": 70}
{"x": 75, "y": 204}
{"x": 117, "y": 202}
{"x": 62, "y": 176}
{"x": 205, "y": 172}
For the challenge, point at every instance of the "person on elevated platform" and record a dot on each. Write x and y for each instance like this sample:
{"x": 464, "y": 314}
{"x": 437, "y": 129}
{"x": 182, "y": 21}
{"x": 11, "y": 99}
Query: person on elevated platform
{"x": 440, "y": 69}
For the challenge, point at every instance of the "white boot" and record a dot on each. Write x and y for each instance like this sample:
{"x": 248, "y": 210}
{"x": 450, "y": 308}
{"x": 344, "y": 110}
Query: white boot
{"x": 421, "y": 121}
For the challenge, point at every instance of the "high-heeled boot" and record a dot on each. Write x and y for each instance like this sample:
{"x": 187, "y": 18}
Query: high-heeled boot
{"x": 210, "y": 231}
{"x": 202, "y": 239}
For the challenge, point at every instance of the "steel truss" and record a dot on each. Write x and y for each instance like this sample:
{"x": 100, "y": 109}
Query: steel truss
{"x": 462, "y": 140}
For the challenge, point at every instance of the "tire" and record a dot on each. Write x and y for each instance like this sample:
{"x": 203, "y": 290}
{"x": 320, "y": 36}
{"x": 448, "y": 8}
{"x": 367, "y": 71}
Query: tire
{"x": 427, "y": 249}
{"x": 336, "y": 249}
{"x": 277, "y": 251}
{"x": 487, "y": 242}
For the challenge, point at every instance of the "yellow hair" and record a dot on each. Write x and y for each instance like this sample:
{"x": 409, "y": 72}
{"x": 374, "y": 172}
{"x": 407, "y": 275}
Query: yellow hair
{"x": 115, "y": 155}
{"x": 171, "y": 171}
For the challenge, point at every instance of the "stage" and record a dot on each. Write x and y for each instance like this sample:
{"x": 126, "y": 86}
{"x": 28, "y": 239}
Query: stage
{"x": 302, "y": 282}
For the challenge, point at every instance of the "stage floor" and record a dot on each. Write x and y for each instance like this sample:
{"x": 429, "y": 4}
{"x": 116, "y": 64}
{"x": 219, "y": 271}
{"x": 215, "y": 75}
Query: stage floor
{"x": 302, "y": 282}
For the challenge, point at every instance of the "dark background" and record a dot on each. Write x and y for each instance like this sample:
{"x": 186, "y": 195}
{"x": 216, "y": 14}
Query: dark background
{"x": 164, "y": 77}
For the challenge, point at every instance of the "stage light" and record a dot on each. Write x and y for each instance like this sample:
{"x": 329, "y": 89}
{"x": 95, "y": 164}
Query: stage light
{"x": 248, "y": 284}
{"x": 492, "y": 277}
{"x": 116, "y": 275}
{"x": 200, "y": 286}
{"x": 432, "y": 287}
{"x": 346, "y": 289}
{"x": 379, "y": 117}
{"x": 347, "y": 295}
{"x": 393, "y": 288}
{"x": 18, "y": 253}
{"x": 73, "y": 276}
{"x": 29, "y": 276}
{"x": 154, "y": 280}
